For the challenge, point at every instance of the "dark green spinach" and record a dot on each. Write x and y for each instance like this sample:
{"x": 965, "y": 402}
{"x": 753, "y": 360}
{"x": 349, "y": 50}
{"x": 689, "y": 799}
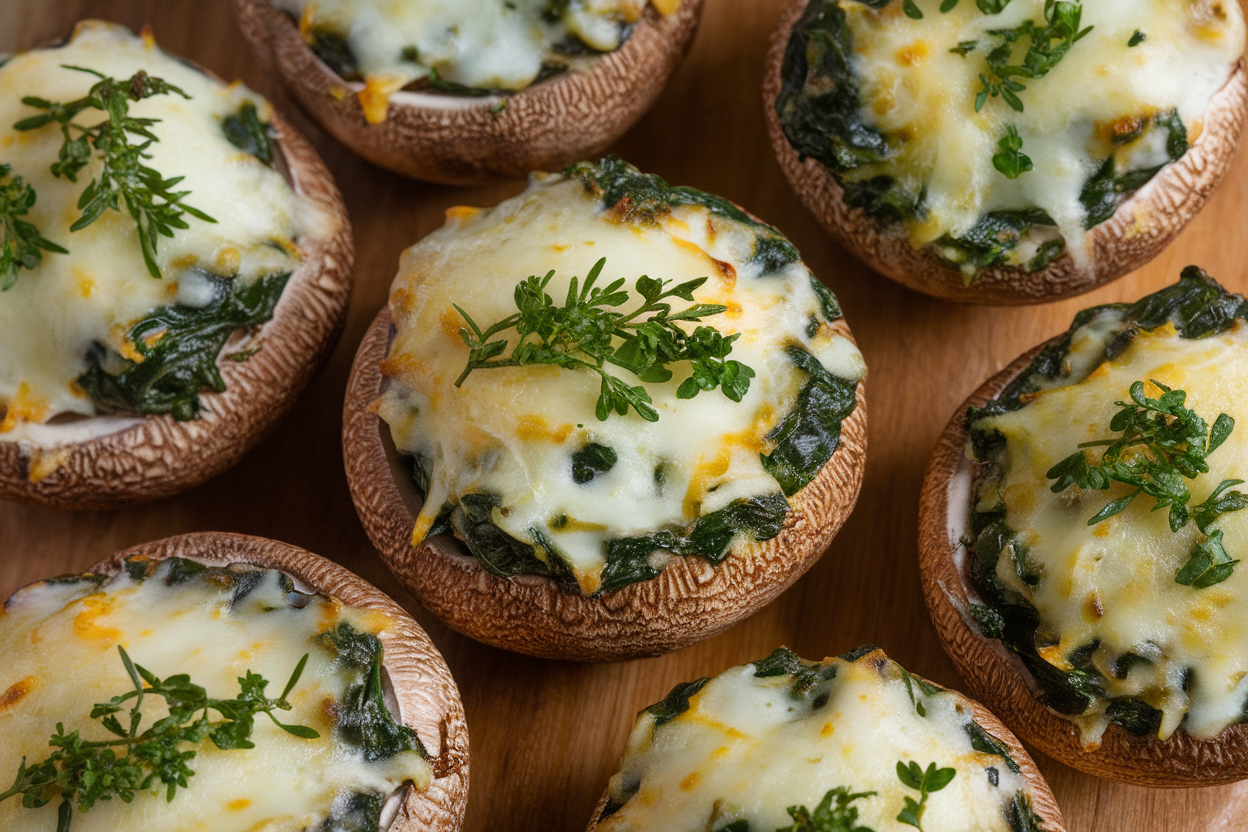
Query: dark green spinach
{"x": 248, "y": 133}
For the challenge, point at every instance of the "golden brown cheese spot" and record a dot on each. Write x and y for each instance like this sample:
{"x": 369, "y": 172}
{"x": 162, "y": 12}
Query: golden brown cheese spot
{"x": 914, "y": 54}
{"x": 86, "y": 627}
{"x": 533, "y": 426}
{"x": 666, "y": 7}
{"x": 238, "y": 805}
{"x": 25, "y": 407}
{"x": 16, "y": 692}
{"x": 375, "y": 97}
{"x": 459, "y": 213}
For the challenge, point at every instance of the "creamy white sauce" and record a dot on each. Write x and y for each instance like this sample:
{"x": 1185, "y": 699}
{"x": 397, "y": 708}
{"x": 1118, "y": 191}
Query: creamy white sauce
{"x": 747, "y": 750}
{"x": 1115, "y": 582}
{"x": 59, "y": 648}
{"x": 512, "y": 431}
{"x": 484, "y": 44}
{"x": 52, "y": 315}
{"x": 916, "y": 91}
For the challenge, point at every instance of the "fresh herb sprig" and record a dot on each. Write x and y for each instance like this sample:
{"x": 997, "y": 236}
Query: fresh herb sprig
{"x": 21, "y": 245}
{"x": 83, "y": 772}
{"x": 828, "y": 818}
{"x": 1011, "y": 161}
{"x": 1163, "y": 443}
{"x": 925, "y": 782}
{"x": 123, "y": 178}
{"x": 585, "y": 333}
{"x": 1048, "y": 44}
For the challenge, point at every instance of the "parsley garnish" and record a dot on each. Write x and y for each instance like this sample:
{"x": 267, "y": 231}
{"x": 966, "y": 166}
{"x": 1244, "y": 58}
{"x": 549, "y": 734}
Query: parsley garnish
{"x": 21, "y": 241}
{"x": 828, "y": 818}
{"x": 912, "y": 11}
{"x": 122, "y": 178}
{"x": 1048, "y": 45}
{"x": 926, "y": 782}
{"x": 83, "y": 772}
{"x": 584, "y": 334}
{"x": 1011, "y": 161}
{"x": 1136, "y": 39}
{"x": 1163, "y": 443}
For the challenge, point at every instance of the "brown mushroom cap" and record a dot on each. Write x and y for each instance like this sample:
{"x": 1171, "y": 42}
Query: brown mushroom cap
{"x": 162, "y": 456}
{"x": 460, "y": 140}
{"x": 1042, "y": 800}
{"x": 427, "y": 697}
{"x": 1000, "y": 679}
{"x": 689, "y": 601}
{"x": 1137, "y": 232}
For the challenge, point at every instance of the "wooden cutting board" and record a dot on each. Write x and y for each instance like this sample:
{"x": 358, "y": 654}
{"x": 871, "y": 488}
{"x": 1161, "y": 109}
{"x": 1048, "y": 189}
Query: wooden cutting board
{"x": 546, "y": 735}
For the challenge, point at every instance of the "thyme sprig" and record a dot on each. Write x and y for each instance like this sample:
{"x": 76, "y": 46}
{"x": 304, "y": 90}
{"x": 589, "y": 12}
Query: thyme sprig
{"x": 585, "y": 333}
{"x": 828, "y": 818}
{"x": 83, "y": 772}
{"x": 925, "y": 782}
{"x": 1048, "y": 44}
{"x": 21, "y": 245}
{"x": 123, "y": 178}
{"x": 1163, "y": 444}
{"x": 1011, "y": 161}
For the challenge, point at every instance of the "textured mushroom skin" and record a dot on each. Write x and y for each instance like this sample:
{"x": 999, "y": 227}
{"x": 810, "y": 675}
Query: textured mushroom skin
{"x": 1137, "y": 232}
{"x": 460, "y": 141}
{"x": 1042, "y": 800}
{"x": 689, "y": 601}
{"x": 999, "y": 678}
{"x": 427, "y": 696}
{"x": 162, "y": 456}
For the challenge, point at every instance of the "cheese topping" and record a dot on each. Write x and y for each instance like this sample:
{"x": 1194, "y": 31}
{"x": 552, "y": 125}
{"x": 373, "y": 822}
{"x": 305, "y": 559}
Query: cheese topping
{"x": 52, "y": 316}
{"x": 512, "y": 432}
{"x": 460, "y": 45}
{"x": 748, "y": 748}
{"x": 1111, "y": 93}
{"x": 1106, "y": 594}
{"x": 58, "y": 642}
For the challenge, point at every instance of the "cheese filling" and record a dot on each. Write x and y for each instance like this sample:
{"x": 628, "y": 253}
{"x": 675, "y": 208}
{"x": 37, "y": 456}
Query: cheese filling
{"x": 518, "y": 449}
{"x": 750, "y": 748}
{"x": 1151, "y": 653}
{"x": 58, "y": 312}
{"x": 896, "y": 117}
{"x": 460, "y": 46}
{"x": 58, "y": 645}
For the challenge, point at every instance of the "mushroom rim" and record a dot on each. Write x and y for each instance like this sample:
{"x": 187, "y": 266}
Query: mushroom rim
{"x": 999, "y": 678}
{"x": 690, "y": 600}
{"x": 1043, "y": 801}
{"x": 164, "y": 456}
{"x": 1141, "y": 227}
{"x": 427, "y": 695}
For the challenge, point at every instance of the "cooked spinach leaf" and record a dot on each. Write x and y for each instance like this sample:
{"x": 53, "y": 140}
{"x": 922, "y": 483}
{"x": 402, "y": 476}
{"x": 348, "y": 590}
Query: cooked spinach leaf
{"x": 500, "y": 553}
{"x": 592, "y": 460}
{"x": 362, "y": 719}
{"x": 996, "y": 235}
{"x": 642, "y": 198}
{"x": 335, "y": 52}
{"x": 1107, "y": 189}
{"x": 807, "y": 676}
{"x": 356, "y": 812}
{"x": 807, "y": 437}
{"x": 676, "y": 702}
{"x": 177, "y": 348}
{"x": 248, "y": 133}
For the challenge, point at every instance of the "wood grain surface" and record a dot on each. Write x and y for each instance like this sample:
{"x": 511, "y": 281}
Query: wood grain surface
{"x": 546, "y": 735}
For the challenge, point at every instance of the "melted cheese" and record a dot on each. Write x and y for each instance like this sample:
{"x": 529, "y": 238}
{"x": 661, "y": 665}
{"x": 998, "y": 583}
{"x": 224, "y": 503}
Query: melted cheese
{"x": 511, "y": 431}
{"x": 923, "y": 97}
{"x": 52, "y": 315}
{"x": 747, "y": 750}
{"x": 1114, "y": 583}
{"x": 58, "y": 644}
{"x": 482, "y": 44}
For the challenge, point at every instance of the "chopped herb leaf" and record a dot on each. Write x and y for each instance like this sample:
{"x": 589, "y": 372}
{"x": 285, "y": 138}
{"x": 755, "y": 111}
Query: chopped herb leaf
{"x": 1137, "y": 38}
{"x": 248, "y": 133}
{"x": 912, "y": 11}
{"x": 592, "y": 460}
{"x": 826, "y": 817}
{"x": 676, "y": 702}
{"x": 927, "y": 782}
{"x": 1048, "y": 44}
{"x": 21, "y": 246}
{"x": 1011, "y": 161}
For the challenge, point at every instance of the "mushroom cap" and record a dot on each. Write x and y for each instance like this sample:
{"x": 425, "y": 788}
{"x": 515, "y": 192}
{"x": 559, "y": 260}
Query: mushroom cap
{"x": 1042, "y": 800}
{"x": 689, "y": 601}
{"x": 462, "y": 140}
{"x": 999, "y": 678}
{"x": 160, "y": 456}
{"x": 428, "y": 700}
{"x": 1137, "y": 232}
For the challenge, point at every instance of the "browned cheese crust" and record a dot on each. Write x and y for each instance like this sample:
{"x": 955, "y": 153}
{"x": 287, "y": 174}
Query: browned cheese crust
{"x": 460, "y": 141}
{"x": 1136, "y": 233}
{"x": 689, "y": 601}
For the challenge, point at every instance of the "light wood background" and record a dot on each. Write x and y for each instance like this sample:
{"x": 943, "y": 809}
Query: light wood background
{"x": 545, "y": 735}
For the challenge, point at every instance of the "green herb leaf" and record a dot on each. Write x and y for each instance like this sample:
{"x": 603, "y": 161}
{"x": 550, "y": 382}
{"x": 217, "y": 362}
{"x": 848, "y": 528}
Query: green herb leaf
{"x": 964, "y": 48}
{"x": 1011, "y": 161}
{"x": 123, "y": 179}
{"x": 841, "y": 817}
{"x": 585, "y": 333}
{"x": 247, "y": 132}
{"x": 21, "y": 245}
{"x": 1137, "y": 38}
{"x": 82, "y": 773}
{"x": 948, "y": 6}
{"x": 1208, "y": 564}
{"x": 676, "y": 702}
{"x": 1047, "y": 45}
{"x": 925, "y": 782}
{"x": 912, "y": 11}
{"x": 177, "y": 348}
